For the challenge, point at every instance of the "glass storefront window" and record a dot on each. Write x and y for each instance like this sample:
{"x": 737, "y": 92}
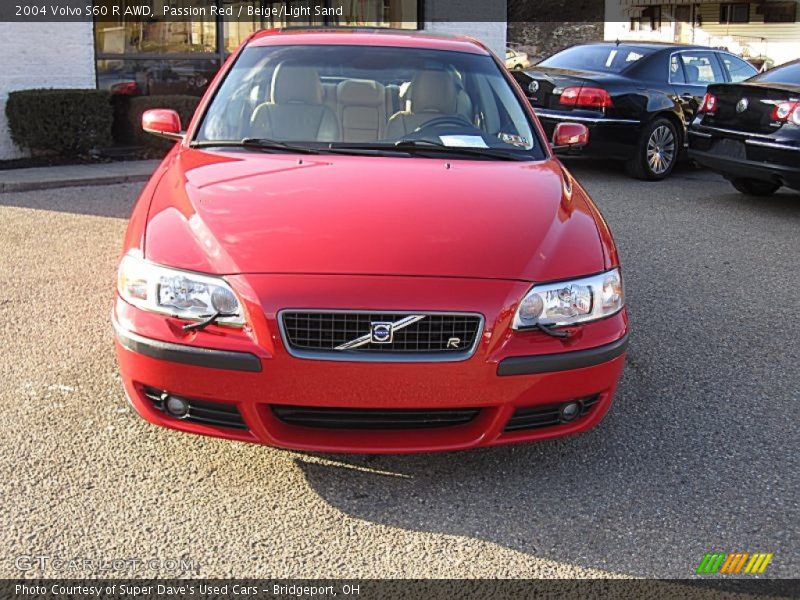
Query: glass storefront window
{"x": 150, "y": 77}
{"x": 159, "y": 36}
{"x": 180, "y": 56}
{"x": 397, "y": 14}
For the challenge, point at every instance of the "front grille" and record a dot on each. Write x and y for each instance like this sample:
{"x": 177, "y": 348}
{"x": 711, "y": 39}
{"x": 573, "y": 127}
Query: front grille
{"x": 446, "y": 335}
{"x": 549, "y": 415}
{"x": 201, "y": 411}
{"x": 357, "y": 418}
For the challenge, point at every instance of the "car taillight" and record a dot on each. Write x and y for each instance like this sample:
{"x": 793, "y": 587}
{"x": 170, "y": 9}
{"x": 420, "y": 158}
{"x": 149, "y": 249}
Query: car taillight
{"x": 784, "y": 110}
{"x": 709, "y": 104}
{"x": 126, "y": 88}
{"x": 796, "y": 116}
{"x": 588, "y": 97}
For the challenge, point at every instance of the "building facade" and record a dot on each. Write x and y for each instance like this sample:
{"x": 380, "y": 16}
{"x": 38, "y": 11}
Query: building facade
{"x": 170, "y": 56}
{"x": 766, "y": 32}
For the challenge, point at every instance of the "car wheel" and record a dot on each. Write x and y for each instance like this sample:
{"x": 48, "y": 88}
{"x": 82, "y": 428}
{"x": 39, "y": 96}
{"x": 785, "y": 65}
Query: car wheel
{"x": 755, "y": 187}
{"x": 656, "y": 151}
{"x": 518, "y": 67}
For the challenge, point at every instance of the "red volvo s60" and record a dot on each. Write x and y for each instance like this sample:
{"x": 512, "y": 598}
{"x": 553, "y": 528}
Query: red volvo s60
{"x": 363, "y": 243}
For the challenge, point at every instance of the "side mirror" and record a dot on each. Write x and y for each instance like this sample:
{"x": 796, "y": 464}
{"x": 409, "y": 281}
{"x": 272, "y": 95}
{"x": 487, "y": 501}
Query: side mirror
{"x": 570, "y": 135}
{"x": 163, "y": 123}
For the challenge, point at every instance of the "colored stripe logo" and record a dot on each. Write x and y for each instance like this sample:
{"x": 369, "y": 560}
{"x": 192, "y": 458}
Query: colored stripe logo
{"x": 734, "y": 564}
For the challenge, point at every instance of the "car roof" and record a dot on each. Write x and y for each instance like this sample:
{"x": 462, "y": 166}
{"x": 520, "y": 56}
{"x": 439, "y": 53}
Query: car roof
{"x": 652, "y": 45}
{"x": 352, "y": 36}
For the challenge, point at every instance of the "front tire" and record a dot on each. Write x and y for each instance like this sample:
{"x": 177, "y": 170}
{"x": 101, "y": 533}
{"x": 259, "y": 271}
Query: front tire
{"x": 656, "y": 151}
{"x": 755, "y": 187}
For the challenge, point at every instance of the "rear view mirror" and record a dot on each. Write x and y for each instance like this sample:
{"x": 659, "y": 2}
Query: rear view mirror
{"x": 570, "y": 135}
{"x": 163, "y": 123}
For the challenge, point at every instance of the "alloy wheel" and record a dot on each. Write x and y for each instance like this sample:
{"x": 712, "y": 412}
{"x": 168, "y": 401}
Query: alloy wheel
{"x": 661, "y": 150}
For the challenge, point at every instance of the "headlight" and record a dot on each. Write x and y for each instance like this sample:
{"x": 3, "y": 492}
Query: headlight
{"x": 571, "y": 302}
{"x": 181, "y": 294}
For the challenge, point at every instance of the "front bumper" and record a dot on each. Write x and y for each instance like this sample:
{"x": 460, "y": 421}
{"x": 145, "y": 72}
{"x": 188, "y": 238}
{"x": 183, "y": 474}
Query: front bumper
{"x": 253, "y": 371}
{"x": 754, "y": 157}
{"x": 608, "y": 137}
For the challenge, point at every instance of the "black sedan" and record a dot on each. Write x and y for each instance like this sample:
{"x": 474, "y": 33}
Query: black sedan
{"x": 750, "y": 132}
{"x": 637, "y": 98}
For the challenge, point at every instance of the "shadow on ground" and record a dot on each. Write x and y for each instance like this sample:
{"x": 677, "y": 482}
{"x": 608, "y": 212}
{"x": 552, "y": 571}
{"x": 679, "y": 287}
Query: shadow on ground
{"x": 114, "y": 201}
{"x": 699, "y": 452}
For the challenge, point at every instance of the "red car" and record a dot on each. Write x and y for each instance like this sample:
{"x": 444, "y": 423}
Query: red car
{"x": 363, "y": 243}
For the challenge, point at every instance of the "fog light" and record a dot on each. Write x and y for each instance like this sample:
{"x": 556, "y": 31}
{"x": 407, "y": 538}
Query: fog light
{"x": 177, "y": 407}
{"x": 571, "y": 411}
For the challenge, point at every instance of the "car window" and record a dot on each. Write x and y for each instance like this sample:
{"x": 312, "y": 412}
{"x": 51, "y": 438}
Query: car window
{"x": 610, "y": 58}
{"x": 785, "y": 74}
{"x": 675, "y": 70}
{"x": 701, "y": 68}
{"x": 319, "y": 94}
{"x": 738, "y": 69}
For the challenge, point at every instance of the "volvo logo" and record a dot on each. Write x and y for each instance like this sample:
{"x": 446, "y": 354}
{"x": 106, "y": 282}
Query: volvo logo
{"x": 382, "y": 333}
{"x": 742, "y": 105}
{"x": 533, "y": 87}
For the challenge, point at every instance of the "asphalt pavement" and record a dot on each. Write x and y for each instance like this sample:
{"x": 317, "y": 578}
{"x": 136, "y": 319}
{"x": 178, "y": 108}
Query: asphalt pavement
{"x": 699, "y": 453}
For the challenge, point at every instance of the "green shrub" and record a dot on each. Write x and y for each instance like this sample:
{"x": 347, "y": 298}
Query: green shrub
{"x": 59, "y": 121}
{"x": 183, "y": 105}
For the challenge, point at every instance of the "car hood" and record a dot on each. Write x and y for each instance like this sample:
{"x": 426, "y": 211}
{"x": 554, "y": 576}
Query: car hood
{"x": 231, "y": 213}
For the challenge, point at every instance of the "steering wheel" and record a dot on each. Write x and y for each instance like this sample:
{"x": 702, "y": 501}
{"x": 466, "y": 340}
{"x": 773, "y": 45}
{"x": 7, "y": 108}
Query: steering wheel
{"x": 448, "y": 120}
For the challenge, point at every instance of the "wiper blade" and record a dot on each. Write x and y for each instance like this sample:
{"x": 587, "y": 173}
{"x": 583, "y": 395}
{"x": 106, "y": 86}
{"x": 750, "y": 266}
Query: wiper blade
{"x": 208, "y": 320}
{"x": 275, "y": 145}
{"x": 439, "y": 147}
{"x": 265, "y": 144}
{"x": 257, "y": 144}
{"x": 429, "y": 146}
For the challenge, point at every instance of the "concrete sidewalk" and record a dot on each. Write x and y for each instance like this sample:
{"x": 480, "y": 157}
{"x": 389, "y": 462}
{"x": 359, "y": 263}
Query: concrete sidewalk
{"x": 43, "y": 178}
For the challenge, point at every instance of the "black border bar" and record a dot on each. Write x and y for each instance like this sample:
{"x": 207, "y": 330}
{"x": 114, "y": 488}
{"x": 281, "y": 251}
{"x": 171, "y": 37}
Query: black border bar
{"x": 388, "y": 589}
{"x": 564, "y": 361}
{"x": 187, "y": 355}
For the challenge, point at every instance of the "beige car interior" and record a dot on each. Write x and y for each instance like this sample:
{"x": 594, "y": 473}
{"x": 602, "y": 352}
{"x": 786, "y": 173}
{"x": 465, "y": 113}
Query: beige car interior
{"x": 297, "y": 110}
{"x": 302, "y": 108}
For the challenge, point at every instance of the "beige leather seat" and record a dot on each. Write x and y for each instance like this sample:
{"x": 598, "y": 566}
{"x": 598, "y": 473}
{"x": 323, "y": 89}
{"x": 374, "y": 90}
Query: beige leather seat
{"x": 297, "y": 111}
{"x": 362, "y": 110}
{"x": 432, "y": 94}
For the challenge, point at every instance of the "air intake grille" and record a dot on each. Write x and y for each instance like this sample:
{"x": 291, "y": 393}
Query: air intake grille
{"x": 535, "y": 417}
{"x": 202, "y": 411}
{"x": 449, "y": 335}
{"x": 354, "y": 418}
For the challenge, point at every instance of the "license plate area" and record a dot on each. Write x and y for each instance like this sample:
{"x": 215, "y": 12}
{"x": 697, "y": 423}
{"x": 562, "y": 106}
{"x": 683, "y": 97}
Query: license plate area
{"x": 730, "y": 148}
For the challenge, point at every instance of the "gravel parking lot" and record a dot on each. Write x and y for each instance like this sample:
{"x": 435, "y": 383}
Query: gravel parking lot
{"x": 699, "y": 454}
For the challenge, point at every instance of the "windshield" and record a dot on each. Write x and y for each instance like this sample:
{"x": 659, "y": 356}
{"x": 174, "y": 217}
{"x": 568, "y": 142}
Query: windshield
{"x": 602, "y": 57}
{"x": 327, "y": 96}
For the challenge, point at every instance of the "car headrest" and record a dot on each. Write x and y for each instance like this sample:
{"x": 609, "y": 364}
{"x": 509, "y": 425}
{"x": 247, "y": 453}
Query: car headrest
{"x": 292, "y": 83}
{"x": 360, "y": 93}
{"x": 434, "y": 91}
{"x": 692, "y": 73}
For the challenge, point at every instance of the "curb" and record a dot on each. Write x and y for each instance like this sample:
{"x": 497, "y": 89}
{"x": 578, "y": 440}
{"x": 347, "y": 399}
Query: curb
{"x": 27, "y": 186}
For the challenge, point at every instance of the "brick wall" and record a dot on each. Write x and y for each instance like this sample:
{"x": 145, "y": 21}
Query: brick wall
{"x": 543, "y": 27}
{"x": 57, "y": 55}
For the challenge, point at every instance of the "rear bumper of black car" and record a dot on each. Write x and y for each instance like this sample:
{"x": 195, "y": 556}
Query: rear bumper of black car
{"x": 738, "y": 156}
{"x": 608, "y": 137}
